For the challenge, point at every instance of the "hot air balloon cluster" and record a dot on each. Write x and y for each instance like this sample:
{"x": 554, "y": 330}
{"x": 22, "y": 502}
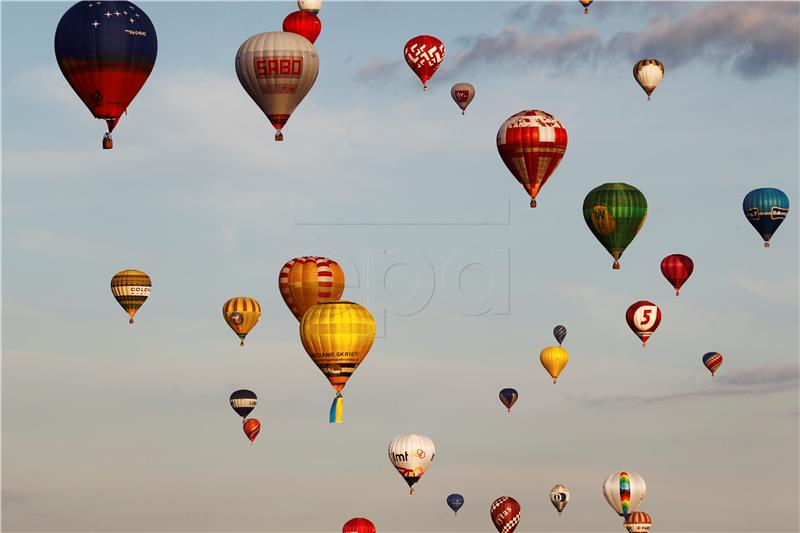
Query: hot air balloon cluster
{"x": 107, "y": 62}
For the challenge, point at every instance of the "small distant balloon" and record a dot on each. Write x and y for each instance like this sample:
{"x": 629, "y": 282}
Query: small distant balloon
{"x": 243, "y": 401}
{"x": 411, "y": 455}
{"x": 712, "y": 361}
{"x": 559, "y": 497}
{"x": 358, "y": 525}
{"x": 455, "y": 501}
{"x": 638, "y": 522}
{"x": 312, "y": 6}
{"x": 508, "y": 397}
{"x": 560, "y": 333}
{"x": 131, "y": 288}
{"x": 462, "y": 94}
{"x": 241, "y": 314}
{"x": 648, "y": 73}
{"x": 424, "y": 54}
{"x": 554, "y": 359}
{"x": 586, "y": 4}
{"x": 677, "y": 268}
{"x": 624, "y": 492}
{"x": 505, "y": 512}
{"x": 303, "y": 23}
{"x": 251, "y": 428}
{"x": 643, "y": 318}
{"x": 615, "y": 212}
{"x": 766, "y": 209}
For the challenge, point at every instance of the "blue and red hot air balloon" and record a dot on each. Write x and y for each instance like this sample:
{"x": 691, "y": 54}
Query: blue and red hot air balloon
{"x": 106, "y": 50}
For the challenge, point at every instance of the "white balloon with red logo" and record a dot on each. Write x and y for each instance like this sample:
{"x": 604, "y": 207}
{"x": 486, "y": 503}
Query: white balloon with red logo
{"x": 411, "y": 455}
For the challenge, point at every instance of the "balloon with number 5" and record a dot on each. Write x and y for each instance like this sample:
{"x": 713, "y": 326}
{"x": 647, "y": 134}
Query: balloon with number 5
{"x": 643, "y": 318}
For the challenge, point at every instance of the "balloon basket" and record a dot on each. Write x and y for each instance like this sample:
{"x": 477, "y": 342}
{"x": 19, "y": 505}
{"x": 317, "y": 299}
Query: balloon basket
{"x": 616, "y": 266}
{"x": 766, "y": 245}
{"x": 130, "y": 321}
{"x": 278, "y": 136}
{"x": 533, "y": 202}
{"x": 108, "y": 143}
{"x": 585, "y": 12}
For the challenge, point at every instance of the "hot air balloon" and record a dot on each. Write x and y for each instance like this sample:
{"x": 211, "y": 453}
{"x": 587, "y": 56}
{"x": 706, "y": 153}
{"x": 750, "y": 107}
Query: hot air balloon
{"x": 712, "y": 361}
{"x": 243, "y": 401}
{"x": 337, "y": 336}
{"x": 241, "y": 314}
{"x": 462, "y": 94}
{"x": 312, "y": 6}
{"x": 251, "y": 428}
{"x": 615, "y": 212}
{"x": 424, "y": 54}
{"x": 307, "y": 281}
{"x": 624, "y": 492}
{"x": 455, "y": 501}
{"x": 638, "y": 522}
{"x": 559, "y": 497}
{"x": 677, "y": 268}
{"x": 531, "y": 144}
{"x": 585, "y": 4}
{"x": 131, "y": 288}
{"x": 648, "y": 73}
{"x": 505, "y": 512}
{"x": 358, "y": 525}
{"x": 643, "y": 318}
{"x": 554, "y": 359}
{"x": 508, "y": 397}
{"x": 106, "y": 50}
{"x": 411, "y": 455}
{"x": 303, "y": 23}
{"x": 766, "y": 209}
{"x": 277, "y": 69}
{"x": 560, "y": 333}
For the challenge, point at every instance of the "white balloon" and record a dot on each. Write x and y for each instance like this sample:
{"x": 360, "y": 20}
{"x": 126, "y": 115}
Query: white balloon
{"x": 619, "y": 483}
{"x": 411, "y": 455}
{"x": 312, "y": 6}
{"x": 462, "y": 94}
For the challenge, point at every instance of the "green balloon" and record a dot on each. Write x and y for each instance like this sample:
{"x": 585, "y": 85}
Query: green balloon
{"x": 615, "y": 213}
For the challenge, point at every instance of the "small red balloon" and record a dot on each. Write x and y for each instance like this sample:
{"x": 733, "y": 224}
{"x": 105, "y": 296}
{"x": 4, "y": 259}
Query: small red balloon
{"x": 358, "y": 525}
{"x": 505, "y": 512}
{"x": 643, "y": 318}
{"x": 424, "y": 54}
{"x": 677, "y": 268}
{"x": 251, "y": 428}
{"x": 303, "y": 23}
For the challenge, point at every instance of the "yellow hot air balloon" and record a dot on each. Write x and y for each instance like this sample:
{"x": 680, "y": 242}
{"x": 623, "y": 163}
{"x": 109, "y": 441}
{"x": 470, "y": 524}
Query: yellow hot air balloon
{"x": 131, "y": 288}
{"x": 307, "y": 281}
{"x": 241, "y": 314}
{"x": 337, "y": 336}
{"x": 554, "y": 359}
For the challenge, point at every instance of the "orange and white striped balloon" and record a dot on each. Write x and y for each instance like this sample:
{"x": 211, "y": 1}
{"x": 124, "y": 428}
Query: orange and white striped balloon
{"x": 307, "y": 281}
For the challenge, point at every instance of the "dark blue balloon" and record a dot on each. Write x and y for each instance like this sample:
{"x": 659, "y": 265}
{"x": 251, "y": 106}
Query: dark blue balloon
{"x": 508, "y": 397}
{"x": 766, "y": 209}
{"x": 455, "y": 501}
{"x": 560, "y": 333}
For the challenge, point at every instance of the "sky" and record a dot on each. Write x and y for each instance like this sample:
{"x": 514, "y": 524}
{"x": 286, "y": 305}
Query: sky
{"x": 112, "y": 427}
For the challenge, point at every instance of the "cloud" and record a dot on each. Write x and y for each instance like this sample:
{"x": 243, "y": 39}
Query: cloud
{"x": 727, "y": 35}
{"x": 745, "y": 382}
{"x": 784, "y": 291}
{"x": 378, "y": 68}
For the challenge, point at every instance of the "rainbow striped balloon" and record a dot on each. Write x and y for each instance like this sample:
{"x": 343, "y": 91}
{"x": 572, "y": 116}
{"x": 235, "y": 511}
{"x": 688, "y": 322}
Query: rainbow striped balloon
{"x": 624, "y": 492}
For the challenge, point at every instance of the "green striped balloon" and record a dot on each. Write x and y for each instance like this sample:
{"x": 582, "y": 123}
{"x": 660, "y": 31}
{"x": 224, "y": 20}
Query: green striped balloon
{"x": 615, "y": 213}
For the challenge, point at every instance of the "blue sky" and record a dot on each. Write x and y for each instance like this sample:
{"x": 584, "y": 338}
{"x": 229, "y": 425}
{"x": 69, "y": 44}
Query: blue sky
{"x": 107, "y": 427}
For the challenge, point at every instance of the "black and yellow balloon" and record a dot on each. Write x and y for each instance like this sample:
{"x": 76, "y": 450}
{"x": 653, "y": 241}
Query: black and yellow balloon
{"x": 241, "y": 314}
{"x": 131, "y": 288}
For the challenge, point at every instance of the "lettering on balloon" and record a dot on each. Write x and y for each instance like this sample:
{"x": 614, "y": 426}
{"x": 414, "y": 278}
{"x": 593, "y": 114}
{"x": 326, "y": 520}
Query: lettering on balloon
{"x": 779, "y": 213}
{"x": 278, "y": 67}
{"x": 462, "y": 96}
{"x": 136, "y": 33}
{"x": 645, "y": 317}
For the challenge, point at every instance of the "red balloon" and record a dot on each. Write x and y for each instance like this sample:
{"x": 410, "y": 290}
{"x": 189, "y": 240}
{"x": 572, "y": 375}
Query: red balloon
{"x": 677, "y": 268}
{"x": 531, "y": 144}
{"x": 424, "y": 54}
{"x": 251, "y": 428}
{"x": 358, "y": 525}
{"x": 505, "y": 512}
{"x": 643, "y": 318}
{"x": 303, "y": 23}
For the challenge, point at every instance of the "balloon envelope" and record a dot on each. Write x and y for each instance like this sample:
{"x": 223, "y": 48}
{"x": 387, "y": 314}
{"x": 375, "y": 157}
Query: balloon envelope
{"x": 243, "y": 401}
{"x": 638, "y": 522}
{"x": 312, "y": 6}
{"x": 554, "y": 359}
{"x": 560, "y": 333}
{"x": 241, "y": 314}
{"x": 251, "y": 428}
{"x": 586, "y": 4}
{"x": 505, "y": 512}
{"x": 615, "y": 212}
{"x": 508, "y": 397}
{"x": 462, "y": 94}
{"x": 677, "y": 268}
{"x": 358, "y": 525}
{"x": 766, "y": 209}
{"x": 131, "y": 288}
{"x": 307, "y": 281}
{"x": 648, "y": 73}
{"x": 624, "y": 492}
{"x": 424, "y": 54}
{"x": 411, "y": 455}
{"x": 455, "y": 501}
{"x": 712, "y": 361}
{"x": 106, "y": 51}
{"x": 303, "y": 23}
{"x": 532, "y": 143}
{"x": 559, "y": 497}
{"x": 277, "y": 69}
{"x": 643, "y": 318}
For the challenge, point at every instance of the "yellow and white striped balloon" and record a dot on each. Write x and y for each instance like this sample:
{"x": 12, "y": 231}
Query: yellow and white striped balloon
{"x": 241, "y": 314}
